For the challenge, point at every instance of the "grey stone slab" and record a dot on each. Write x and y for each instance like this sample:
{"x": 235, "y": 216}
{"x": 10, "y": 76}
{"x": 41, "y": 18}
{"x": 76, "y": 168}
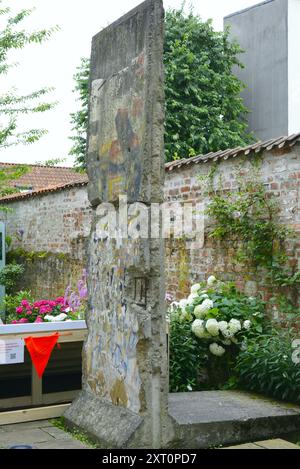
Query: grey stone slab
{"x": 210, "y": 419}
{"x": 222, "y": 406}
{"x": 112, "y": 426}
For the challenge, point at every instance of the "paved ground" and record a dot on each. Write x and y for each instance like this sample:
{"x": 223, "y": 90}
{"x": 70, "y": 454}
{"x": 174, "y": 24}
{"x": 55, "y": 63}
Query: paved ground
{"x": 268, "y": 444}
{"x": 39, "y": 435}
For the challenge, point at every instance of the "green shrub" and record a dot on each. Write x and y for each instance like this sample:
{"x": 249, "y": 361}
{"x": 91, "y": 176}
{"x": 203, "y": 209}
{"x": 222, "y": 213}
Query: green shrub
{"x": 267, "y": 365}
{"x": 11, "y": 302}
{"x": 9, "y": 275}
{"x": 207, "y": 332}
{"x": 187, "y": 358}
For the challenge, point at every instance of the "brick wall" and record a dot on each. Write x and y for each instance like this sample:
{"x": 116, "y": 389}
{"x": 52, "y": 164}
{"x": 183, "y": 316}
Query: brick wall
{"x": 280, "y": 172}
{"x": 55, "y": 224}
{"x": 59, "y": 223}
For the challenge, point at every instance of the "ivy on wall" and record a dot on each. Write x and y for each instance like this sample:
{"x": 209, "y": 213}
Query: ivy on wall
{"x": 249, "y": 219}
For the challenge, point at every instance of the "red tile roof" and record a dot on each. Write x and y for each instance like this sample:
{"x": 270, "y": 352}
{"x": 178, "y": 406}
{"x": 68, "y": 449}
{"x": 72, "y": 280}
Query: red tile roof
{"x": 40, "y": 177}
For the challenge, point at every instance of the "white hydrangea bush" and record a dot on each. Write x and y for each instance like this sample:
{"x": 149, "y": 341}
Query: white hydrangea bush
{"x": 219, "y": 315}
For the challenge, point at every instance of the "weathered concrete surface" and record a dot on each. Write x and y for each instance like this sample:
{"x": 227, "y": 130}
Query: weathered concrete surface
{"x": 124, "y": 398}
{"x": 213, "y": 418}
{"x": 127, "y": 108}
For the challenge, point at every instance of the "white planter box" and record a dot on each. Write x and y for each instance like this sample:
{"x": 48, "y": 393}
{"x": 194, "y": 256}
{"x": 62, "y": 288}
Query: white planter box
{"x": 13, "y": 329}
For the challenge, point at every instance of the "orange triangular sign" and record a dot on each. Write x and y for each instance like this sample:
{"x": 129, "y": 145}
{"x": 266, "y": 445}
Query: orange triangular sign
{"x": 40, "y": 349}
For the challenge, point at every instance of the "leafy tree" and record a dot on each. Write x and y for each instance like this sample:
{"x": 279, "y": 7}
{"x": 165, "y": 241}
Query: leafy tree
{"x": 79, "y": 119}
{"x": 12, "y": 105}
{"x": 204, "y": 108}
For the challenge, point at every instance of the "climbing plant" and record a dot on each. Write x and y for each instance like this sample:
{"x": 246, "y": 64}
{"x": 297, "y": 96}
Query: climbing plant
{"x": 249, "y": 219}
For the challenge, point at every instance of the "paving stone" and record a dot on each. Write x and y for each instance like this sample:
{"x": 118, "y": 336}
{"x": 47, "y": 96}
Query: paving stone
{"x": 27, "y": 437}
{"x": 57, "y": 433}
{"x": 39, "y": 435}
{"x": 25, "y": 426}
{"x": 63, "y": 444}
{"x": 276, "y": 444}
{"x": 244, "y": 446}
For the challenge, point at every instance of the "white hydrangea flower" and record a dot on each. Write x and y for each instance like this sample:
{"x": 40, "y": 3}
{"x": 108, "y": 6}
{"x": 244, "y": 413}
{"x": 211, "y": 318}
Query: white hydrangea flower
{"x": 235, "y": 326}
{"x": 183, "y": 304}
{"x": 203, "y": 297}
{"x": 199, "y": 330}
{"x": 212, "y": 326}
{"x": 195, "y": 288}
{"x": 217, "y": 350}
{"x": 208, "y": 304}
{"x": 223, "y": 325}
{"x": 211, "y": 280}
{"x": 192, "y": 298}
{"x": 200, "y": 311}
{"x": 227, "y": 333}
{"x": 234, "y": 340}
{"x": 185, "y": 316}
{"x": 247, "y": 325}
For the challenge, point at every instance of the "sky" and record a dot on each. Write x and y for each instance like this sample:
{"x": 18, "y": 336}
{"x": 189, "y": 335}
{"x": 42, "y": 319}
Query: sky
{"x": 54, "y": 63}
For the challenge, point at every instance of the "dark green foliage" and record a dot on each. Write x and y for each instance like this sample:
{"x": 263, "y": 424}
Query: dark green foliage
{"x": 9, "y": 275}
{"x": 14, "y": 106}
{"x": 268, "y": 366}
{"x": 204, "y": 110}
{"x": 187, "y": 358}
{"x": 79, "y": 119}
{"x": 11, "y": 302}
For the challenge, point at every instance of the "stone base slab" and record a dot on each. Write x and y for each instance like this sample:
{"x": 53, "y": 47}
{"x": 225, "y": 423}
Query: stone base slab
{"x": 109, "y": 425}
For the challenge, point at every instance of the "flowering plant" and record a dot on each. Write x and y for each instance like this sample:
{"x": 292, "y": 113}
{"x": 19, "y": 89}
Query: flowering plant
{"x": 219, "y": 315}
{"x": 42, "y": 311}
{"x": 69, "y": 307}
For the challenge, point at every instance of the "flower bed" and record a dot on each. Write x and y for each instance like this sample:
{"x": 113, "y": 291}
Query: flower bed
{"x": 23, "y": 309}
{"x": 45, "y": 311}
{"x": 208, "y": 329}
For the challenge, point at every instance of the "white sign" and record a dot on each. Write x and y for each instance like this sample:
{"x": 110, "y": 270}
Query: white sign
{"x": 11, "y": 351}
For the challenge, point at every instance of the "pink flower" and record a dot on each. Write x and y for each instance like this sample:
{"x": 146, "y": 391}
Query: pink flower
{"x": 60, "y": 300}
{"x": 45, "y": 310}
{"x": 25, "y": 303}
{"x": 28, "y": 312}
{"x": 39, "y": 319}
{"x": 15, "y": 322}
{"x": 23, "y": 321}
{"x": 19, "y": 309}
